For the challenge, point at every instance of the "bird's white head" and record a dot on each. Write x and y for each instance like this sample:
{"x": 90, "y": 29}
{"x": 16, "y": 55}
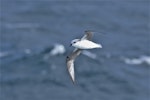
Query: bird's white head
{"x": 74, "y": 41}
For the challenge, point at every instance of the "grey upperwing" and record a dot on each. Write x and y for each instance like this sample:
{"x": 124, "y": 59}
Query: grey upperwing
{"x": 88, "y": 35}
{"x": 70, "y": 63}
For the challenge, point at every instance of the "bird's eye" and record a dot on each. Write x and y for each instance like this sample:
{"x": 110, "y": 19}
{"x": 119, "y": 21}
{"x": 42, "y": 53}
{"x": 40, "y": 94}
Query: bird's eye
{"x": 74, "y": 42}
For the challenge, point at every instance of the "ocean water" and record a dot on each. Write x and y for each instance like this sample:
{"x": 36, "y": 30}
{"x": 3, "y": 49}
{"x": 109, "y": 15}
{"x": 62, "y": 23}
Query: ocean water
{"x": 34, "y": 42}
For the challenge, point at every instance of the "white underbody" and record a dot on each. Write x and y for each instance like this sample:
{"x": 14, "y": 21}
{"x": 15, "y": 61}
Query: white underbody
{"x": 86, "y": 44}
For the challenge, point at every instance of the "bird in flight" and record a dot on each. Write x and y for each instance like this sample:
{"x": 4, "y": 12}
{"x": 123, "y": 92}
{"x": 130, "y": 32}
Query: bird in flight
{"x": 79, "y": 44}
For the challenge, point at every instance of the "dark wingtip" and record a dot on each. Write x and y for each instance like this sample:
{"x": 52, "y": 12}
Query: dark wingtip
{"x": 89, "y": 31}
{"x": 67, "y": 58}
{"x": 86, "y": 31}
{"x": 74, "y": 83}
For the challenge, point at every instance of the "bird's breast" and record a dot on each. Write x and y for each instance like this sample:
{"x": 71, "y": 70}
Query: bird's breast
{"x": 86, "y": 44}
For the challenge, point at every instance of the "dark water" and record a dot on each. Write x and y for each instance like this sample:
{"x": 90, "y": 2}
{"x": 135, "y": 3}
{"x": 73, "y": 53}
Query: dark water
{"x": 118, "y": 71}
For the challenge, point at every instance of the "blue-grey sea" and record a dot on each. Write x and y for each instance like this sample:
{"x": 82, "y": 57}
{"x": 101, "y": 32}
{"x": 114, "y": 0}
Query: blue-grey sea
{"x": 34, "y": 41}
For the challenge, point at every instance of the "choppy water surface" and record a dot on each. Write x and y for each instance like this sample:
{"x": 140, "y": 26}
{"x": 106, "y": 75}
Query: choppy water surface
{"x": 34, "y": 41}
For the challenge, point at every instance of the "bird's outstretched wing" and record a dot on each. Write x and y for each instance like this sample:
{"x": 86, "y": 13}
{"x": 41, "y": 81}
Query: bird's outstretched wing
{"x": 88, "y": 35}
{"x": 70, "y": 63}
{"x": 71, "y": 58}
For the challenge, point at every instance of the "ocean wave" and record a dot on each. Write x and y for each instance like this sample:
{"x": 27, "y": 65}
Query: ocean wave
{"x": 58, "y": 49}
{"x": 136, "y": 61}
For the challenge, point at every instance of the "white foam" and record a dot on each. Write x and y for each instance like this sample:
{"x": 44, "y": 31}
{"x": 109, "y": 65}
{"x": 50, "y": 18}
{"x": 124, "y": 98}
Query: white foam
{"x": 89, "y": 54}
{"x": 58, "y": 49}
{"x": 140, "y": 60}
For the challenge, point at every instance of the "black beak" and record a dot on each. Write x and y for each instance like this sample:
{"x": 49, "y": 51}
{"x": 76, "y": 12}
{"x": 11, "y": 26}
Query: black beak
{"x": 70, "y": 45}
